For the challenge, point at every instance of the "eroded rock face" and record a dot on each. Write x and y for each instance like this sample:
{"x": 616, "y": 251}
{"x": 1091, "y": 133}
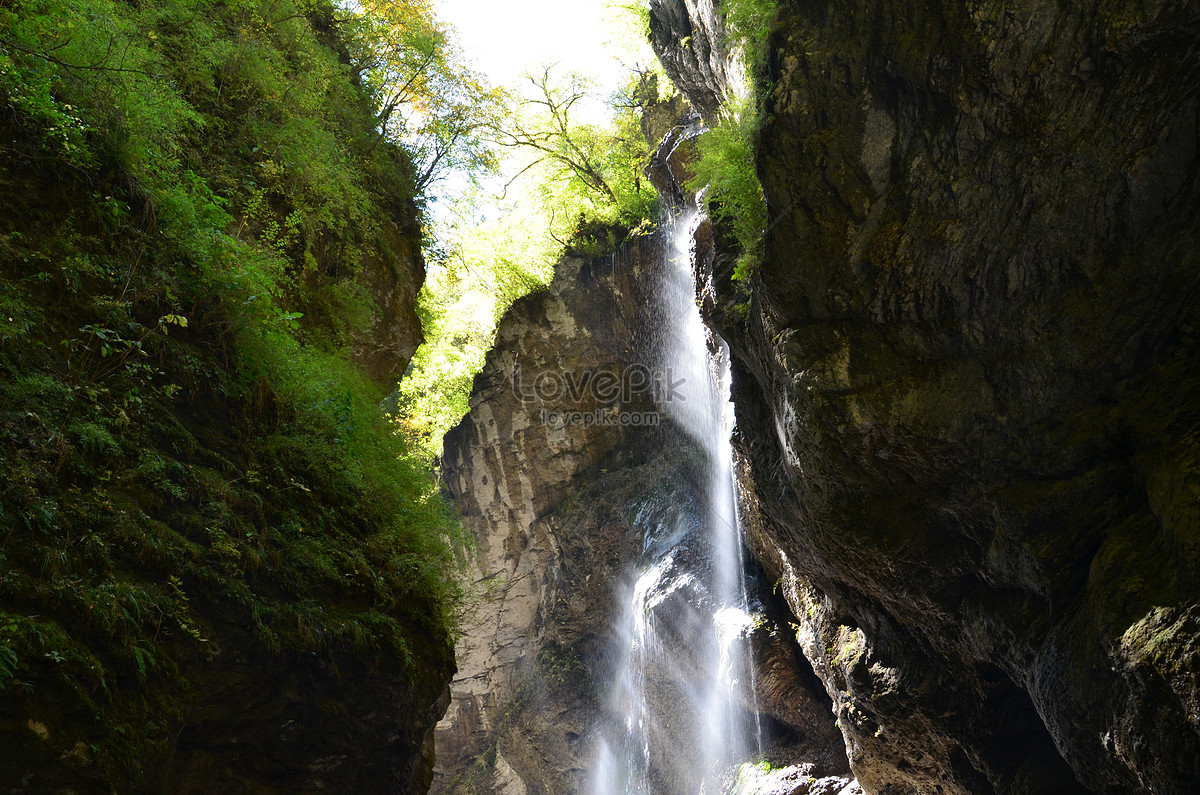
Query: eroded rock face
{"x": 689, "y": 38}
{"x": 547, "y": 558}
{"x": 966, "y": 385}
{"x": 561, "y": 511}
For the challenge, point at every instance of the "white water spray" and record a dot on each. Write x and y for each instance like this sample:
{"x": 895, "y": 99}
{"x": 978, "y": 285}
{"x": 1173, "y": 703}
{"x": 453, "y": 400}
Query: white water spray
{"x": 681, "y": 706}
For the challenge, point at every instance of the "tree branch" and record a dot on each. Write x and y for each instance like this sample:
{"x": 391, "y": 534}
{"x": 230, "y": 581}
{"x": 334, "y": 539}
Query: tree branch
{"x": 67, "y": 65}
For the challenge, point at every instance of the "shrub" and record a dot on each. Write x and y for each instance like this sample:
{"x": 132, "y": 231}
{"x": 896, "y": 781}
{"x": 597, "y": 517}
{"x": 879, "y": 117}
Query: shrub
{"x": 726, "y": 166}
{"x": 726, "y": 163}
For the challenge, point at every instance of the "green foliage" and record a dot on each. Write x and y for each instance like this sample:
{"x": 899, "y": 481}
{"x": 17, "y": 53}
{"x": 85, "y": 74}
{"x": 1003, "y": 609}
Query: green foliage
{"x": 562, "y": 667}
{"x": 578, "y": 188}
{"x": 726, "y": 163}
{"x": 429, "y": 100}
{"x": 749, "y": 24}
{"x": 491, "y": 263}
{"x": 726, "y": 166}
{"x": 586, "y": 170}
{"x": 185, "y": 442}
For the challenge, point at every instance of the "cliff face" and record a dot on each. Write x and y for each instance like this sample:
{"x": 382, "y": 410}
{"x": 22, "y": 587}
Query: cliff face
{"x": 689, "y": 38}
{"x": 562, "y": 510}
{"x": 966, "y": 387}
{"x": 547, "y": 554}
{"x": 392, "y": 275}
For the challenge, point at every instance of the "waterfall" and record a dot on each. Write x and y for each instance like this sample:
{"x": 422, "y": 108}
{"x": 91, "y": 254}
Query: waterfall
{"x": 681, "y": 712}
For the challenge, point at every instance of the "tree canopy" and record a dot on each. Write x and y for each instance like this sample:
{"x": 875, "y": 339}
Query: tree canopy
{"x": 429, "y": 100}
{"x": 571, "y": 170}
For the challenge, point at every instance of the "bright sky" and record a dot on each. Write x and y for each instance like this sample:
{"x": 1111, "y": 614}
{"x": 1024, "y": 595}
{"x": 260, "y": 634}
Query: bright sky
{"x": 505, "y": 39}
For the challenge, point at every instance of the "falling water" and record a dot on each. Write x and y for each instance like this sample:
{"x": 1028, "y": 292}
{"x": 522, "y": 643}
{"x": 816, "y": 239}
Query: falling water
{"x": 680, "y": 721}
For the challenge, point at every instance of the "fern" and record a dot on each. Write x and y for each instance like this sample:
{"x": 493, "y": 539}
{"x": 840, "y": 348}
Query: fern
{"x": 8, "y": 665}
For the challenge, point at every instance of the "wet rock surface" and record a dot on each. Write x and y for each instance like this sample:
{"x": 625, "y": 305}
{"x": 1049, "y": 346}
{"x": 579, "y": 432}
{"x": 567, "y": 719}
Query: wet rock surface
{"x": 561, "y": 510}
{"x": 966, "y": 379}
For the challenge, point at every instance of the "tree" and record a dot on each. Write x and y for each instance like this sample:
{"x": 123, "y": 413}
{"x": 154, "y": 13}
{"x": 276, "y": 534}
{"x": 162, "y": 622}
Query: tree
{"x": 577, "y": 149}
{"x": 428, "y": 100}
{"x": 598, "y": 163}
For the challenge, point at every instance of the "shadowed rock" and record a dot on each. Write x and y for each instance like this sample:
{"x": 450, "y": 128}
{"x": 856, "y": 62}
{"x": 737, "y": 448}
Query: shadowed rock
{"x": 966, "y": 385}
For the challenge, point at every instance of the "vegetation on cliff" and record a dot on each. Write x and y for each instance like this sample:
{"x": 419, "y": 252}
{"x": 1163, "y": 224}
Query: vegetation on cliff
{"x": 201, "y": 197}
{"x": 725, "y": 167}
{"x": 576, "y": 185}
{"x": 725, "y": 171}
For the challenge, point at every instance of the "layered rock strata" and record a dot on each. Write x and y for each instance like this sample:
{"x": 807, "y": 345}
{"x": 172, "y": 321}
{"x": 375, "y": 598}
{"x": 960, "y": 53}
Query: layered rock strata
{"x": 507, "y": 466}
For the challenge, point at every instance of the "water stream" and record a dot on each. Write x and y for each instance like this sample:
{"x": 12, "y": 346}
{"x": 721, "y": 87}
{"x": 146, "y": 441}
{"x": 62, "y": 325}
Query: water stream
{"x": 681, "y": 712}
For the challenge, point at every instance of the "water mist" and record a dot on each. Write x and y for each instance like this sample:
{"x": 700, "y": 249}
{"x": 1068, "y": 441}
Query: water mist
{"x": 679, "y": 720}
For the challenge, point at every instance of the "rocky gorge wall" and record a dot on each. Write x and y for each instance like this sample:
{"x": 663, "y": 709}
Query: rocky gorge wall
{"x": 560, "y": 511}
{"x": 507, "y": 468}
{"x": 965, "y": 379}
{"x": 219, "y": 572}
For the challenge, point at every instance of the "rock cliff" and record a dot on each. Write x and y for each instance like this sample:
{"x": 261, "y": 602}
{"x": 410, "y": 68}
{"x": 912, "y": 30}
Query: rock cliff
{"x": 689, "y": 38}
{"x": 544, "y": 574}
{"x": 561, "y": 509}
{"x": 966, "y": 382}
